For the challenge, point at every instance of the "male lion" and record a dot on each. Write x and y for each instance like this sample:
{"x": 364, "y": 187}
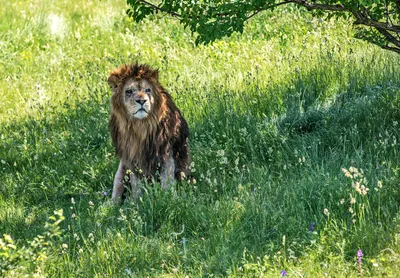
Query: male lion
{"x": 148, "y": 131}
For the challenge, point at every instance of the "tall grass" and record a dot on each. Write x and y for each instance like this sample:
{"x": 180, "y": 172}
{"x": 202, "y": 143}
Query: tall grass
{"x": 290, "y": 123}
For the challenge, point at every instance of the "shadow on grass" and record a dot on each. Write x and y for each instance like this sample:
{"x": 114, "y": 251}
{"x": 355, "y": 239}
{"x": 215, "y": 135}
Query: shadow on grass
{"x": 255, "y": 144}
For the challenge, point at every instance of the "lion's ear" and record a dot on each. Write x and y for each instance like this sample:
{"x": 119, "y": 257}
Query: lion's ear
{"x": 113, "y": 81}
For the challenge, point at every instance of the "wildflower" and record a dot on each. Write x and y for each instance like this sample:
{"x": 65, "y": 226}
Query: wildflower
{"x": 374, "y": 263}
{"x": 379, "y": 184}
{"x": 326, "y": 211}
{"x": 359, "y": 260}
{"x": 91, "y": 203}
{"x": 283, "y": 273}
{"x": 363, "y": 190}
{"x": 73, "y": 201}
{"x": 353, "y": 170}
{"x": 312, "y": 227}
{"x": 64, "y": 246}
{"x": 342, "y": 201}
{"x": 354, "y": 221}
{"x": 356, "y": 186}
{"x": 359, "y": 256}
{"x": 347, "y": 173}
{"x": 80, "y": 250}
{"x": 73, "y": 215}
{"x": 105, "y": 193}
{"x": 351, "y": 210}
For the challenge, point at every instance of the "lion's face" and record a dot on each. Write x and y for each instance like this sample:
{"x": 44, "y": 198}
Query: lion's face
{"x": 138, "y": 98}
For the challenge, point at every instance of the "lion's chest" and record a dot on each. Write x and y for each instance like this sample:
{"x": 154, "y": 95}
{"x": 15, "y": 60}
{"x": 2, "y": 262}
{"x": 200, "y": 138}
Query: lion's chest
{"x": 140, "y": 150}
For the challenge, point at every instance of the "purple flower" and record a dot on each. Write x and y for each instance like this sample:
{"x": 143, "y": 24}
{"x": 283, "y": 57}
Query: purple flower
{"x": 312, "y": 225}
{"x": 283, "y": 273}
{"x": 359, "y": 255}
{"x": 105, "y": 193}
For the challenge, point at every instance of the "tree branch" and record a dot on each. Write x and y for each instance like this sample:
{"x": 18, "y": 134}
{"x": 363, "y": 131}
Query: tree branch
{"x": 158, "y": 9}
{"x": 395, "y": 49}
{"x": 389, "y": 37}
{"x": 270, "y": 7}
{"x": 325, "y": 7}
{"x": 361, "y": 14}
{"x": 362, "y": 20}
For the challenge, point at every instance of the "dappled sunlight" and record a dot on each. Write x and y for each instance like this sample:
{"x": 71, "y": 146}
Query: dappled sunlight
{"x": 289, "y": 123}
{"x": 58, "y": 26}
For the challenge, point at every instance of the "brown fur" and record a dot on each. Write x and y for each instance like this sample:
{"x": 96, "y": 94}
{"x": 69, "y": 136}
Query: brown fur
{"x": 147, "y": 143}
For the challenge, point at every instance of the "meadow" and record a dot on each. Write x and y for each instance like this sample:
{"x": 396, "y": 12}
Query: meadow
{"x": 294, "y": 136}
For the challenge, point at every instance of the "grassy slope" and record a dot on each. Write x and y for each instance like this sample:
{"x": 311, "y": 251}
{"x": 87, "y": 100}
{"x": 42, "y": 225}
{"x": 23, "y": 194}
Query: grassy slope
{"x": 275, "y": 115}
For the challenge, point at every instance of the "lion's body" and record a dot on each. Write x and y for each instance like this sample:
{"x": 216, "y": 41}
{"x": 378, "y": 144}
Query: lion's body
{"x": 154, "y": 140}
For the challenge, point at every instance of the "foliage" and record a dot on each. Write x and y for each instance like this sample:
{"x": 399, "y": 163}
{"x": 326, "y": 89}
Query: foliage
{"x": 378, "y": 22}
{"x": 32, "y": 254}
{"x": 275, "y": 115}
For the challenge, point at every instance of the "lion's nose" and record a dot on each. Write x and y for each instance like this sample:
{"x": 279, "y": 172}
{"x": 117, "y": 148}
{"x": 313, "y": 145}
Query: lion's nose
{"x": 141, "y": 101}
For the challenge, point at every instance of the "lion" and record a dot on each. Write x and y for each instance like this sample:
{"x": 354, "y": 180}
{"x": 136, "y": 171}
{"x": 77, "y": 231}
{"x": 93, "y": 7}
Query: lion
{"x": 148, "y": 131}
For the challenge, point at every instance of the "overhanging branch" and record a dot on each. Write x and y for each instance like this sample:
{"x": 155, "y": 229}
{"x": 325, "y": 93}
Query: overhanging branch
{"x": 315, "y": 6}
{"x": 394, "y": 49}
{"x": 389, "y": 37}
{"x": 159, "y": 9}
{"x": 361, "y": 14}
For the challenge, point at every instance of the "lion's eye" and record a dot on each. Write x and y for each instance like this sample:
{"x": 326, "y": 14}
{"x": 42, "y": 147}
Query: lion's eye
{"x": 147, "y": 90}
{"x": 128, "y": 92}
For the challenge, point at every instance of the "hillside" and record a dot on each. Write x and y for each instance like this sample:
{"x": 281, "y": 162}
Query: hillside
{"x": 294, "y": 135}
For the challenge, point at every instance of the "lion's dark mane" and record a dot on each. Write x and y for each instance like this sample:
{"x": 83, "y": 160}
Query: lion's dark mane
{"x": 145, "y": 144}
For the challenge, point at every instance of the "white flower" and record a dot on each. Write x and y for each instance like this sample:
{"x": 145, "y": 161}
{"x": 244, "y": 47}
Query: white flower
{"x": 347, "y": 173}
{"x": 353, "y": 170}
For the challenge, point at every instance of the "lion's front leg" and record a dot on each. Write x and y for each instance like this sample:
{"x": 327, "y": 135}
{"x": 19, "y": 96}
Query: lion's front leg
{"x": 167, "y": 173}
{"x": 118, "y": 189}
{"x": 135, "y": 186}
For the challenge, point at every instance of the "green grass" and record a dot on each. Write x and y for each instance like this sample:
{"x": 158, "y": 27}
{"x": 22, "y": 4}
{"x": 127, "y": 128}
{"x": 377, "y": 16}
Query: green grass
{"x": 275, "y": 115}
